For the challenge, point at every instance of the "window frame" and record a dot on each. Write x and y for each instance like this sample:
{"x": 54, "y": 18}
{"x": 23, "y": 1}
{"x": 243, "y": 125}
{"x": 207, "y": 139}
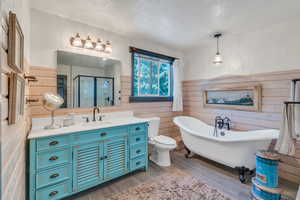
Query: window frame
{"x": 151, "y": 98}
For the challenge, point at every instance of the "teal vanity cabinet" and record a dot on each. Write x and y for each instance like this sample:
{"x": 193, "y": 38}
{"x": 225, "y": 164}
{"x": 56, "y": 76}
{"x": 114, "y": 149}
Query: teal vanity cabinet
{"x": 63, "y": 165}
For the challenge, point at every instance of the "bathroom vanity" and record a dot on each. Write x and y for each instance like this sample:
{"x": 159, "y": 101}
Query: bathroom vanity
{"x": 68, "y": 160}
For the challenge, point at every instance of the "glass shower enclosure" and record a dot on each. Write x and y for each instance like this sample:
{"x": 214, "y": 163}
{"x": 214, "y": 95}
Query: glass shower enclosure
{"x": 90, "y": 91}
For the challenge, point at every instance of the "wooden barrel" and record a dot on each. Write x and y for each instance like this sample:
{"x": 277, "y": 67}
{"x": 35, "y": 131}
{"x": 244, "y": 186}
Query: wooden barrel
{"x": 267, "y": 169}
{"x": 260, "y": 192}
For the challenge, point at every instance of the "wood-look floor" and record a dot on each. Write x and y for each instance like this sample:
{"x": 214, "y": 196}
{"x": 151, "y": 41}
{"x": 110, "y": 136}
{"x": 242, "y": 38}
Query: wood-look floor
{"x": 218, "y": 176}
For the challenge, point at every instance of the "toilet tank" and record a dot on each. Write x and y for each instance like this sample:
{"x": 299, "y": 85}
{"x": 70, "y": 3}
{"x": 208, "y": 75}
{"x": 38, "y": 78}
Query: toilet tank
{"x": 153, "y": 128}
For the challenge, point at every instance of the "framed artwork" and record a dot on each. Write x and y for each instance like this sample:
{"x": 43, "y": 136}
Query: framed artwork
{"x": 16, "y": 99}
{"x": 246, "y": 98}
{"x": 15, "y": 44}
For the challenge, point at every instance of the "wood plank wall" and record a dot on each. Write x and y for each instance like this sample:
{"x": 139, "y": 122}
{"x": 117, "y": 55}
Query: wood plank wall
{"x": 47, "y": 82}
{"x": 13, "y": 137}
{"x": 275, "y": 90}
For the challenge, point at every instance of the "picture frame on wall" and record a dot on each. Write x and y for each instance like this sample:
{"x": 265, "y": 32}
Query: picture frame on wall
{"x": 16, "y": 98}
{"x": 246, "y": 98}
{"x": 15, "y": 44}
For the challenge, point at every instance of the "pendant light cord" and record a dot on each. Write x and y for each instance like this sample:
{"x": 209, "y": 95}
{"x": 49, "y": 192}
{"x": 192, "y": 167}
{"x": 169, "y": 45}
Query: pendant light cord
{"x": 218, "y": 45}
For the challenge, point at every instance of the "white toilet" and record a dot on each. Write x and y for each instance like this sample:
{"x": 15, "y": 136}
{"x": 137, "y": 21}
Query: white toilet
{"x": 161, "y": 145}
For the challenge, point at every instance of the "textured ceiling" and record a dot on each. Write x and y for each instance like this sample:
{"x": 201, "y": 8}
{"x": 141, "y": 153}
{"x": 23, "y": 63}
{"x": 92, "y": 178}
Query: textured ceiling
{"x": 180, "y": 24}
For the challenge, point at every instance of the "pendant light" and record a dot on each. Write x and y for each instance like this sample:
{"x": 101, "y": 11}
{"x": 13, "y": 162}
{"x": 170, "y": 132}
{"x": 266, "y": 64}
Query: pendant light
{"x": 218, "y": 57}
{"x": 88, "y": 43}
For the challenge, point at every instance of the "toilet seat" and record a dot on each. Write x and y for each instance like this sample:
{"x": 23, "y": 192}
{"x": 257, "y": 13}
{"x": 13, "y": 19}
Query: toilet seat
{"x": 165, "y": 140}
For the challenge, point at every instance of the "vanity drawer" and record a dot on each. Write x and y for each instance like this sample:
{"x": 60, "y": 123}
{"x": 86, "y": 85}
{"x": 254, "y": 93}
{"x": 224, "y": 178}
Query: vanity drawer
{"x": 139, "y": 128}
{"x": 52, "y": 142}
{"x": 53, "y": 176}
{"x": 49, "y": 159}
{"x": 54, "y": 192}
{"x": 137, "y": 139}
{"x": 137, "y": 163}
{"x": 101, "y": 134}
{"x": 137, "y": 150}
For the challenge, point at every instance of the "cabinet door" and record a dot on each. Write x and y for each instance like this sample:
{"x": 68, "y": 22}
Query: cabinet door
{"x": 87, "y": 167}
{"x": 116, "y": 157}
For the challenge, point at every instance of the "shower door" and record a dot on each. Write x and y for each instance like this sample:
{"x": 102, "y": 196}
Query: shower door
{"x": 90, "y": 91}
{"x": 105, "y": 91}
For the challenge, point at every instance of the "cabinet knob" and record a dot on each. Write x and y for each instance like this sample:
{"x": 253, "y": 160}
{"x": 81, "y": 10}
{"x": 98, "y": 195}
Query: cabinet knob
{"x": 53, "y": 143}
{"x": 137, "y": 128}
{"x": 54, "y": 176}
{"x": 103, "y": 134}
{"x": 138, "y": 163}
{"x": 53, "y": 158}
{"x": 137, "y": 139}
{"x": 138, "y": 151}
{"x": 51, "y": 194}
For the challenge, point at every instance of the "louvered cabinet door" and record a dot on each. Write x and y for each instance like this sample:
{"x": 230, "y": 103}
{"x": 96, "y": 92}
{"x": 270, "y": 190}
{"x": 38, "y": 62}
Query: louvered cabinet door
{"x": 87, "y": 165}
{"x": 116, "y": 157}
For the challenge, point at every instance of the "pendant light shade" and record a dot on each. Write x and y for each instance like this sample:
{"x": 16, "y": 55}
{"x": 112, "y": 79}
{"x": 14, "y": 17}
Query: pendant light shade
{"x": 218, "y": 58}
{"x": 88, "y": 43}
{"x": 99, "y": 45}
{"x": 76, "y": 41}
{"x": 108, "y": 48}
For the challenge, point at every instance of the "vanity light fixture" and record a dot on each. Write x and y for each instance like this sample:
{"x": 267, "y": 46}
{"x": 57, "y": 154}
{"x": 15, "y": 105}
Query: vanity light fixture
{"x": 108, "y": 48}
{"x": 88, "y": 44}
{"x": 218, "y": 57}
{"x": 99, "y": 45}
{"x": 76, "y": 41}
{"x": 91, "y": 45}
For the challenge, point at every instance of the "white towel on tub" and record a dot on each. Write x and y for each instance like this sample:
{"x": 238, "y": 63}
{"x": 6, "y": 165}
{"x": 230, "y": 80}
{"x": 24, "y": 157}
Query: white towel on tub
{"x": 286, "y": 142}
{"x": 297, "y": 109}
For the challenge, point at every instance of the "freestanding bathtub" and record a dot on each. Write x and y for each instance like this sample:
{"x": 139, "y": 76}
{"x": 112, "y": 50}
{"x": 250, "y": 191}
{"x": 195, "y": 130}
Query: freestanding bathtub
{"x": 235, "y": 149}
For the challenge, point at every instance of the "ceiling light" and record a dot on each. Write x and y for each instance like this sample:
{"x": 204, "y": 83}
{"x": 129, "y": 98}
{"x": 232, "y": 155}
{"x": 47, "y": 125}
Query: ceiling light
{"x": 218, "y": 58}
{"x": 76, "y": 41}
{"x": 88, "y": 43}
{"x": 99, "y": 45}
{"x": 108, "y": 48}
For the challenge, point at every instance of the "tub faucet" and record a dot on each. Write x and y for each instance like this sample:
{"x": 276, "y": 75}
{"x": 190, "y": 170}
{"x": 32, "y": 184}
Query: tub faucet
{"x": 227, "y": 123}
{"x": 219, "y": 123}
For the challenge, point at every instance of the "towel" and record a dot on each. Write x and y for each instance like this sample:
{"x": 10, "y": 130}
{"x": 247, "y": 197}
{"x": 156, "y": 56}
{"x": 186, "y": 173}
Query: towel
{"x": 297, "y": 109}
{"x": 286, "y": 143}
{"x": 290, "y": 127}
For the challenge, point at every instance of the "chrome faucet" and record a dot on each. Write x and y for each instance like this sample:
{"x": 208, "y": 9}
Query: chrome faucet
{"x": 94, "y": 113}
{"x": 220, "y": 123}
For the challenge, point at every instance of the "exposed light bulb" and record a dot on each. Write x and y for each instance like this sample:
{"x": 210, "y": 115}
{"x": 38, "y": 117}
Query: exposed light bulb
{"x": 108, "y": 48}
{"x": 76, "y": 41}
{"x": 99, "y": 46}
{"x": 218, "y": 59}
{"x": 88, "y": 43}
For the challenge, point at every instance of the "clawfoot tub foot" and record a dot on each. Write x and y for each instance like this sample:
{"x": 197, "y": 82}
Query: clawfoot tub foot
{"x": 244, "y": 173}
{"x": 188, "y": 154}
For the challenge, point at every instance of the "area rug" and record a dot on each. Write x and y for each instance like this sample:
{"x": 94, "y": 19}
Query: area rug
{"x": 173, "y": 186}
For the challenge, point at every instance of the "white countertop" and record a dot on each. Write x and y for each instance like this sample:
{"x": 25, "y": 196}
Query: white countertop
{"x": 39, "y": 131}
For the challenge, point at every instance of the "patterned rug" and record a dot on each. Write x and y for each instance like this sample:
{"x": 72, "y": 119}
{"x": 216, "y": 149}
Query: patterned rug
{"x": 173, "y": 186}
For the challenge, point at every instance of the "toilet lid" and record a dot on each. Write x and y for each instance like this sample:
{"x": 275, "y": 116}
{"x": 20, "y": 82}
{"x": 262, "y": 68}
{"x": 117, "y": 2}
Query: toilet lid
{"x": 164, "y": 140}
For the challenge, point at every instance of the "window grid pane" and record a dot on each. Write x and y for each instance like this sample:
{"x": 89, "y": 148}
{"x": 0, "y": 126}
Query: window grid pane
{"x": 151, "y": 76}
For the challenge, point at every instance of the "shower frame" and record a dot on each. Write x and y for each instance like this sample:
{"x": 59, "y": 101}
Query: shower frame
{"x": 95, "y": 88}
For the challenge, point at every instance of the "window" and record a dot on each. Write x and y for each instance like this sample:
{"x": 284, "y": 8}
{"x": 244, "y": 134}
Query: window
{"x": 152, "y": 76}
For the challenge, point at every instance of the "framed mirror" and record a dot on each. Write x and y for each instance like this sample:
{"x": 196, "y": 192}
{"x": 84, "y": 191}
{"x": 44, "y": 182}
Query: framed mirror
{"x": 88, "y": 81}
